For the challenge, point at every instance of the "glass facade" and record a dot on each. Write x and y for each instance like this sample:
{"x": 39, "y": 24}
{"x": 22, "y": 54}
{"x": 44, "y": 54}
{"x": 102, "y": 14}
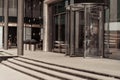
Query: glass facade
{"x": 33, "y": 11}
{"x": 82, "y": 40}
{"x": 118, "y": 9}
{"x": 33, "y": 18}
{"x": 58, "y": 25}
{"x": 1, "y": 10}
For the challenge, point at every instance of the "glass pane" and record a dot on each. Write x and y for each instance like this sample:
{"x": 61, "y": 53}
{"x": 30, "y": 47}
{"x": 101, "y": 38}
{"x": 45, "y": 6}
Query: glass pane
{"x": 1, "y": 3}
{"x": 62, "y": 27}
{"x": 59, "y": 7}
{"x": 94, "y": 33}
{"x": 56, "y": 28}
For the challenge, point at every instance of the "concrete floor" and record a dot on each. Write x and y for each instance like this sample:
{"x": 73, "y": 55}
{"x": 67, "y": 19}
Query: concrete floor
{"x": 100, "y": 65}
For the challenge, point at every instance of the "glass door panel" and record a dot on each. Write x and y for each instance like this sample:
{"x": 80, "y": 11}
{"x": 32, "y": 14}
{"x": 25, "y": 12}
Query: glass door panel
{"x": 56, "y": 28}
{"x": 59, "y": 32}
{"x": 79, "y": 33}
{"x": 94, "y": 39}
{"x": 62, "y": 27}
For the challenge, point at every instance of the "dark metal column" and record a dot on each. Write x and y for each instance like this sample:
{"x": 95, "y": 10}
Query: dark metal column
{"x": 101, "y": 32}
{"x": 72, "y": 33}
{"x": 6, "y": 24}
{"x": 85, "y": 25}
{"x": 20, "y": 27}
{"x": 72, "y": 30}
{"x": 67, "y": 33}
{"x": 66, "y": 29}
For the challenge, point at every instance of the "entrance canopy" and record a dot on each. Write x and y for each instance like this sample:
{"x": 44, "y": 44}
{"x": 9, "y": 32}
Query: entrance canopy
{"x": 81, "y": 6}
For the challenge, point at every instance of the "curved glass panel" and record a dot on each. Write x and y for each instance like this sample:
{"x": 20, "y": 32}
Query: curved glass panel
{"x": 88, "y": 24}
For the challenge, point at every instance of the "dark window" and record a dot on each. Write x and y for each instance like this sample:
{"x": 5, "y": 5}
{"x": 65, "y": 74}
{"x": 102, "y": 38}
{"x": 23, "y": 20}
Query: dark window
{"x": 12, "y": 3}
{"x": 118, "y": 8}
{"x": 59, "y": 7}
{"x": 1, "y": 3}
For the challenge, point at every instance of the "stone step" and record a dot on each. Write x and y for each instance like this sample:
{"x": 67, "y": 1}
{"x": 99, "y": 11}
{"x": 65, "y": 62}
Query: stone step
{"x": 47, "y": 71}
{"x": 2, "y": 53}
{"x": 65, "y": 72}
{"x": 70, "y": 70}
{"x": 29, "y": 72}
{"x": 6, "y": 54}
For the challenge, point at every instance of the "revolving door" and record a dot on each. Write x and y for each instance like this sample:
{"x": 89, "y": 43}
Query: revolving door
{"x": 85, "y": 29}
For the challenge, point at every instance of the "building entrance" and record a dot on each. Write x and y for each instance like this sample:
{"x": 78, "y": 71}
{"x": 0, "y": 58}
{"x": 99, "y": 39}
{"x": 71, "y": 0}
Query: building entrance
{"x": 59, "y": 32}
{"x": 85, "y": 29}
{"x": 58, "y": 24}
{"x": 12, "y": 37}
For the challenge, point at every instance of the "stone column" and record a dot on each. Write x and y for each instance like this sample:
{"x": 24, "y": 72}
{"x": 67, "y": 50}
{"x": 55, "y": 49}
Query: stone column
{"x": 45, "y": 26}
{"x": 72, "y": 35}
{"x": 6, "y": 24}
{"x": 72, "y": 31}
{"x": 20, "y": 27}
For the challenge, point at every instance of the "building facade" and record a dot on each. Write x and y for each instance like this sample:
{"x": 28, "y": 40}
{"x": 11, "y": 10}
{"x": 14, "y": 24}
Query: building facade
{"x": 33, "y": 20}
{"x": 71, "y": 23}
{"x": 73, "y": 27}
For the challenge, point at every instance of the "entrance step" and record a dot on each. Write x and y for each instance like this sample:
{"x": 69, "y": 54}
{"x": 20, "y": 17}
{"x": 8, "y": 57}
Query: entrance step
{"x": 46, "y": 71}
{"x": 2, "y": 53}
{"x": 5, "y": 55}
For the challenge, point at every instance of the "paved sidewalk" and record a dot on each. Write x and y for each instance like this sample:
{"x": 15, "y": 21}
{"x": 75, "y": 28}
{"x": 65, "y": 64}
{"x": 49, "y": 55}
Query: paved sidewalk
{"x": 101, "y": 65}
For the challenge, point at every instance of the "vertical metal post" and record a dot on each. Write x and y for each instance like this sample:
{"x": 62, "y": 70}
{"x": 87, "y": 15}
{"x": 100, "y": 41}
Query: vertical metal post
{"x": 31, "y": 16}
{"x": 101, "y": 32}
{"x": 67, "y": 29}
{"x": 6, "y": 24}
{"x": 59, "y": 27}
{"x": 3, "y": 21}
{"x": 85, "y": 31}
{"x": 20, "y": 27}
{"x": 108, "y": 31}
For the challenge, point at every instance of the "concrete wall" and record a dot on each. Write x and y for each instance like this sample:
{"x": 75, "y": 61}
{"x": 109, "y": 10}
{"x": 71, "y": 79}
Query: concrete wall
{"x": 12, "y": 8}
{"x": 113, "y": 10}
{"x": 114, "y": 26}
{"x": 1, "y": 12}
{"x": 12, "y": 12}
